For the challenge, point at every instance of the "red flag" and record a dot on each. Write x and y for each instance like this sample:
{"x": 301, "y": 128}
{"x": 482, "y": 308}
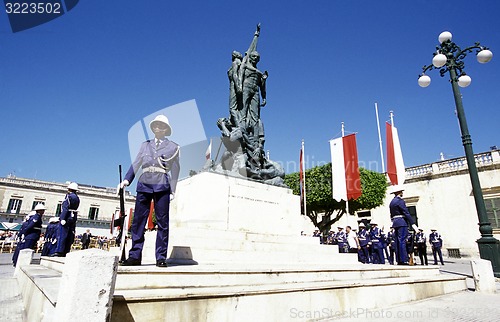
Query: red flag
{"x": 346, "y": 183}
{"x": 395, "y": 164}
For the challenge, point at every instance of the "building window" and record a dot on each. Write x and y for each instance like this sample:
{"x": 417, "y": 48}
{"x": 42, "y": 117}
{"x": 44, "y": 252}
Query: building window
{"x": 59, "y": 208}
{"x": 413, "y": 212}
{"x": 36, "y": 202}
{"x": 493, "y": 211}
{"x": 93, "y": 213}
{"x": 14, "y": 206}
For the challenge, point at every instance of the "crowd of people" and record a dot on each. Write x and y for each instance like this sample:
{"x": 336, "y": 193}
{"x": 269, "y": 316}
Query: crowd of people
{"x": 398, "y": 246}
{"x": 374, "y": 246}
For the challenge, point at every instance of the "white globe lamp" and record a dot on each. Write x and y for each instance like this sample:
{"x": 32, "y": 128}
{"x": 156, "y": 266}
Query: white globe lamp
{"x": 464, "y": 81}
{"x": 424, "y": 81}
{"x": 439, "y": 60}
{"x": 484, "y": 56}
{"x": 444, "y": 36}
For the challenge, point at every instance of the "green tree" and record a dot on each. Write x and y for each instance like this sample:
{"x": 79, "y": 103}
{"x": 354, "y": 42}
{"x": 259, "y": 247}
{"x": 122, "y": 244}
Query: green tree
{"x": 319, "y": 199}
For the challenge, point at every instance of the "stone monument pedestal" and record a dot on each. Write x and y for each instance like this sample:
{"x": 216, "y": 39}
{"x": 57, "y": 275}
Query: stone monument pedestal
{"x": 222, "y": 219}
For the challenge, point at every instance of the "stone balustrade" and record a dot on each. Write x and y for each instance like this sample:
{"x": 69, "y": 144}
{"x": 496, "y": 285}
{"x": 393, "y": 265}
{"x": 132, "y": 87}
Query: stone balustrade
{"x": 451, "y": 165}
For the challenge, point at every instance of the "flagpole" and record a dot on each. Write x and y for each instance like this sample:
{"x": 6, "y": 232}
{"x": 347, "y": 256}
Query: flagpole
{"x": 347, "y": 201}
{"x": 392, "y": 117}
{"x": 304, "y": 177}
{"x": 380, "y": 139}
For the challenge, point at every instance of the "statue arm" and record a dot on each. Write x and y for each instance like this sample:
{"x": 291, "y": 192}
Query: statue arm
{"x": 253, "y": 44}
{"x": 253, "y": 47}
{"x": 263, "y": 88}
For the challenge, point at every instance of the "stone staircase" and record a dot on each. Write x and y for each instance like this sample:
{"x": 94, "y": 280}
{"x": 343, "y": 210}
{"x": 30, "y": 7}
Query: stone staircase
{"x": 246, "y": 292}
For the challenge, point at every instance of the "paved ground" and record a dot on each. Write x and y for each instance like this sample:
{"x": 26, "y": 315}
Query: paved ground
{"x": 462, "y": 306}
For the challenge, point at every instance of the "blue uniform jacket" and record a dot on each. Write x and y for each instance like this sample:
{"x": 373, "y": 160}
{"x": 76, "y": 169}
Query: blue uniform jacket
{"x": 376, "y": 237}
{"x": 420, "y": 238}
{"x": 33, "y": 228}
{"x": 391, "y": 242}
{"x": 341, "y": 237}
{"x": 363, "y": 237}
{"x": 69, "y": 207}
{"x": 400, "y": 215}
{"x": 152, "y": 160}
{"x": 435, "y": 239}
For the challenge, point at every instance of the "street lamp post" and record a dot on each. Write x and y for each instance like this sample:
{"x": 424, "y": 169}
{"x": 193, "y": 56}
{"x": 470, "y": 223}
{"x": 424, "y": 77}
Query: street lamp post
{"x": 448, "y": 58}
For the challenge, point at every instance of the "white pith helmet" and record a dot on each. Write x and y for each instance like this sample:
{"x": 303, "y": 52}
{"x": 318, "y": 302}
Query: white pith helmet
{"x": 73, "y": 186}
{"x": 397, "y": 188}
{"x": 162, "y": 119}
{"x": 40, "y": 206}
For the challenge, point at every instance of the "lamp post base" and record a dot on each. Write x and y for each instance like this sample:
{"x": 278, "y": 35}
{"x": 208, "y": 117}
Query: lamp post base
{"x": 489, "y": 248}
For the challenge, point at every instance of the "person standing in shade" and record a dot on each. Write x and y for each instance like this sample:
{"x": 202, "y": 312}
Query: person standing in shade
{"x": 157, "y": 158}
{"x": 391, "y": 243}
{"x": 32, "y": 231}
{"x": 51, "y": 237}
{"x": 351, "y": 240}
{"x": 67, "y": 221}
{"x": 377, "y": 244}
{"x": 341, "y": 238}
{"x": 436, "y": 242}
{"x": 363, "y": 240}
{"x": 401, "y": 219}
{"x": 421, "y": 240}
{"x": 86, "y": 239}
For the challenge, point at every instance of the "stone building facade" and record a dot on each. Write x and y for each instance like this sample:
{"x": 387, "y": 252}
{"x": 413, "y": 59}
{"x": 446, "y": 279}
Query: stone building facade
{"x": 439, "y": 196}
{"x": 18, "y": 196}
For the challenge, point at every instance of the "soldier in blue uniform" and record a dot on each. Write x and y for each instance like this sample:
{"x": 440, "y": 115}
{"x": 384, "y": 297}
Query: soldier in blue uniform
{"x": 342, "y": 240}
{"x": 156, "y": 158}
{"x": 436, "y": 242}
{"x": 401, "y": 218}
{"x": 391, "y": 243}
{"x": 376, "y": 244}
{"x": 363, "y": 240}
{"x": 421, "y": 241}
{"x": 31, "y": 231}
{"x": 50, "y": 237}
{"x": 67, "y": 222}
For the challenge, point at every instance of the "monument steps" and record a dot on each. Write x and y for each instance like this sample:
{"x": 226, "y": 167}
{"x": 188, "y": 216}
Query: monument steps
{"x": 233, "y": 292}
{"x": 149, "y": 276}
{"x": 221, "y": 294}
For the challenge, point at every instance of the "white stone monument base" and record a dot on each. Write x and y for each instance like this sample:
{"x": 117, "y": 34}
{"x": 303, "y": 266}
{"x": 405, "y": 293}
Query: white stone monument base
{"x": 220, "y": 219}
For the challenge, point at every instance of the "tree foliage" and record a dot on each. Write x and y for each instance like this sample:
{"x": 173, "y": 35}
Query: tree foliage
{"x": 319, "y": 199}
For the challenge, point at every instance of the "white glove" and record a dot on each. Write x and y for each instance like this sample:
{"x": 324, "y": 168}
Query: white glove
{"x": 415, "y": 228}
{"x": 124, "y": 183}
{"x": 63, "y": 222}
{"x": 172, "y": 196}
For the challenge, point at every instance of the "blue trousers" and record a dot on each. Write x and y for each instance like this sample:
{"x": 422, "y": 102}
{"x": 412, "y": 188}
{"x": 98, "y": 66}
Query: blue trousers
{"x": 142, "y": 205}
{"x": 400, "y": 235}
{"x": 65, "y": 237}
{"x": 364, "y": 255}
{"x": 437, "y": 251}
{"x": 378, "y": 254}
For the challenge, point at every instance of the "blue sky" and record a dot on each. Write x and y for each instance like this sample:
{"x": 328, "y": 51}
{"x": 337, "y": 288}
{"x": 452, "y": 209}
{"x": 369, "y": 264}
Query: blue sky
{"x": 71, "y": 89}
